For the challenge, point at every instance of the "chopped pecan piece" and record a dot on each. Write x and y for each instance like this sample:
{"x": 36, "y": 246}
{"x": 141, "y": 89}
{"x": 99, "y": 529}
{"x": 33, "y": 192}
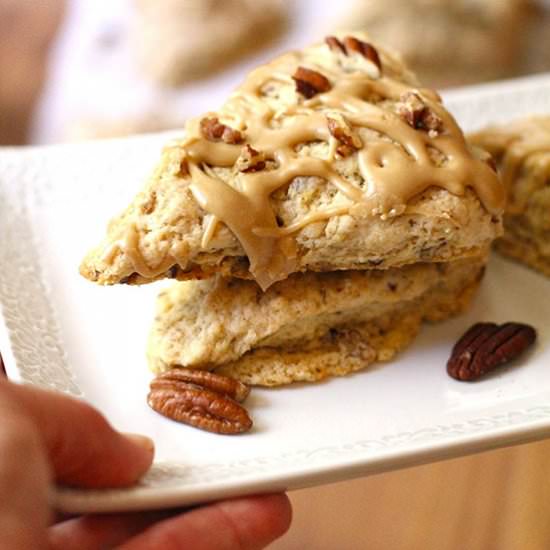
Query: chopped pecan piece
{"x": 417, "y": 114}
{"x": 172, "y": 273}
{"x": 342, "y": 131}
{"x": 250, "y": 160}
{"x": 310, "y": 83}
{"x": 184, "y": 169}
{"x": 213, "y": 130}
{"x": 492, "y": 163}
{"x": 201, "y": 399}
{"x": 334, "y": 44}
{"x": 129, "y": 279}
{"x": 486, "y": 346}
{"x": 368, "y": 51}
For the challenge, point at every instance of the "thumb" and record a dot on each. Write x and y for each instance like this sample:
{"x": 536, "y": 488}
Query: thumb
{"x": 83, "y": 449}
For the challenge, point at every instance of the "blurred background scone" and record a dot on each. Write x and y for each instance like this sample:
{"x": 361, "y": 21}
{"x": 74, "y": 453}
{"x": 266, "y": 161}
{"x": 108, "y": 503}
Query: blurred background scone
{"x": 449, "y": 42}
{"x": 522, "y": 152}
{"x": 177, "y": 40}
{"x": 117, "y": 66}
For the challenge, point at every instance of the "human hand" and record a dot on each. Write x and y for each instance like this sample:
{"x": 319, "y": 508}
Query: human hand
{"x": 47, "y": 437}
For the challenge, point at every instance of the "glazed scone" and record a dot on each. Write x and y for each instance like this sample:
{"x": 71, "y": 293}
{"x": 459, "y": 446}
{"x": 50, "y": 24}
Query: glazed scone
{"x": 522, "y": 153}
{"x": 179, "y": 40}
{"x": 307, "y": 327}
{"x": 449, "y": 42}
{"x": 330, "y": 158}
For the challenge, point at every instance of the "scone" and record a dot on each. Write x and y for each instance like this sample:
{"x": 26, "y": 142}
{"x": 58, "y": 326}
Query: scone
{"x": 178, "y": 40}
{"x": 522, "y": 153}
{"x": 331, "y": 158}
{"x": 308, "y": 327}
{"x": 449, "y": 42}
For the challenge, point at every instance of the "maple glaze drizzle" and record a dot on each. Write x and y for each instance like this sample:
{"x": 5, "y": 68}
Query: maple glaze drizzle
{"x": 394, "y": 163}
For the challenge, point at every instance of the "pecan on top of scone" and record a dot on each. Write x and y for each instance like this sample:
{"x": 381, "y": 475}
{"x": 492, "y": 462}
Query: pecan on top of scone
{"x": 522, "y": 153}
{"x": 330, "y": 158}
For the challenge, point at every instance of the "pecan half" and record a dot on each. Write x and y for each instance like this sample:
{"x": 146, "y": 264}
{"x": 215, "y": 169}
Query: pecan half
{"x": 335, "y": 45}
{"x": 417, "y": 114}
{"x": 368, "y": 51}
{"x": 184, "y": 169}
{"x": 250, "y": 160}
{"x": 209, "y": 380}
{"x": 310, "y": 83}
{"x": 213, "y": 130}
{"x": 342, "y": 131}
{"x": 201, "y": 399}
{"x": 486, "y": 346}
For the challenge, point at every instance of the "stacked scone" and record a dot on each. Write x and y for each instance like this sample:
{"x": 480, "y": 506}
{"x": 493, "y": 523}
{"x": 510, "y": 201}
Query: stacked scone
{"x": 522, "y": 153}
{"x": 326, "y": 210}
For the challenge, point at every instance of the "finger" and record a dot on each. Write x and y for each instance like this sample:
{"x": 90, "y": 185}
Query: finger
{"x": 83, "y": 449}
{"x": 24, "y": 479}
{"x": 2, "y": 367}
{"x": 101, "y": 531}
{"x": 241, "y": 524}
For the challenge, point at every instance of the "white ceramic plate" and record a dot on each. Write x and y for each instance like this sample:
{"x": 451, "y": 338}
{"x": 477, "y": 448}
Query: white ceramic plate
{"x": 57, "y": 330}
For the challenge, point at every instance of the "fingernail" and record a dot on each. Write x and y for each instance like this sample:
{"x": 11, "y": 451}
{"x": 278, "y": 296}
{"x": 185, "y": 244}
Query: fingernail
{"x": 141, "y": 441}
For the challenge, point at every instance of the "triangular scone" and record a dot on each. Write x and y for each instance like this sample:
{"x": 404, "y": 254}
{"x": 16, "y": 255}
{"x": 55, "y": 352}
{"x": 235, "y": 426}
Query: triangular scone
{"x": 326, "y": 159}
{"x": 522, "y": 152}
{"x": 308, "y": 327}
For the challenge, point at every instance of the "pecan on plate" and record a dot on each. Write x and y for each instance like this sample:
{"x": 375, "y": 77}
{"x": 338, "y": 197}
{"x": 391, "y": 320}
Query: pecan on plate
{"x": 213, "y": 130}
{"x": 310, "y": 83}
{"x": 201, "y": 399}
{"x": 417, "y": 114}
{"x": 486, "y": 346}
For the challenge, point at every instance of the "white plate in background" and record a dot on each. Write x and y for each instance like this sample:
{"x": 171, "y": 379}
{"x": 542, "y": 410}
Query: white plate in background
{"x": 58, "y": 330}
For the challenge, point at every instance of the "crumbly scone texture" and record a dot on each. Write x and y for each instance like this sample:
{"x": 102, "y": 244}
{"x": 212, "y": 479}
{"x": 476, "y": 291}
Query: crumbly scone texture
{"x": 522, "y": 153}
{"x": 179, "y": 40}
{"x": 162, "y": 234}
{"x": 491, "y": 34}
{"x": 307, "y": 327}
